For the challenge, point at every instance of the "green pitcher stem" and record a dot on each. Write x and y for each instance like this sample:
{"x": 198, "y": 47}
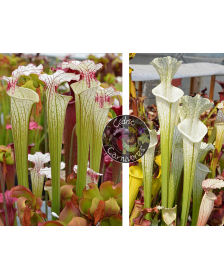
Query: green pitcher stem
{"x": 212, "y": 111}
{"x": 147, "y": 197}
{"x": 213, "y": 167}
{"x": 147, "y": 168}
{"x": 55, "y": 150}
{"x": 176, "y": 167}
{"x": 164, "y": 167}
{"x": 195, "y": 211}
{"x": 20, "y": 140}
{"x": 100, "y": 119}
{"x": 46, "y": 206}
{"x": 84, "y": 103}
{"x": 45, "y": 123}
{"x": 56, "y": 108}
{"x": 71, "y": 151}
{"x": 190, "y": 157}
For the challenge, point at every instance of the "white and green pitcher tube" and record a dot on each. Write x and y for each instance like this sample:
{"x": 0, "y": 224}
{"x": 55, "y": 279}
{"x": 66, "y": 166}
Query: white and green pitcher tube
{"x": 176, "y": 166}
{"x": 22, "y": 101}
{"x": 85, "y": 92}
{"x": 193, "y": 131}
{"x": 37, "y": 179}
{"x": 100, "y": 115}
{"x": 84, "y": 104}
{"x": 56, "y": 108}
{"x": 167, "y": 100}
{"x": 147, "y": 168}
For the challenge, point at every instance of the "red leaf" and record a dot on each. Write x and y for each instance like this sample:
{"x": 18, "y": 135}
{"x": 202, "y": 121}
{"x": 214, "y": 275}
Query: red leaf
{"x": 99, "y": 213}
{"x": 38, "y": 105}
{"x": 26, "y": 217}
{"x": 74, "y": 200}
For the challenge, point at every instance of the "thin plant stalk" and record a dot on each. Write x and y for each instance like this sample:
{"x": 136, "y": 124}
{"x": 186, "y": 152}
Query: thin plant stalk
{"x": 176, "y": 166}
{"x": 71, "y": 151}
{"x": 147, "y": 168}
{"x": 45, "y": 124}
{"x": 46, "y": 199}
{"x": 45, "y": 146}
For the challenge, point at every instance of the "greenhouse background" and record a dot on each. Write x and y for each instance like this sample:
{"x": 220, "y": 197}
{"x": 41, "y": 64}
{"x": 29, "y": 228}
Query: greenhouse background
{"x": 195, "y": 85}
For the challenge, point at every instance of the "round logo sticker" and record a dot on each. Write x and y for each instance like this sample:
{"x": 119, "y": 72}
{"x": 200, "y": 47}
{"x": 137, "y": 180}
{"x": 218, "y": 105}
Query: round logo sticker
{"x": 126, "y": 139}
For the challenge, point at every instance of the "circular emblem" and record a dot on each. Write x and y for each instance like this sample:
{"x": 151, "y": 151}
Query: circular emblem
{"x": 126, "y": 139}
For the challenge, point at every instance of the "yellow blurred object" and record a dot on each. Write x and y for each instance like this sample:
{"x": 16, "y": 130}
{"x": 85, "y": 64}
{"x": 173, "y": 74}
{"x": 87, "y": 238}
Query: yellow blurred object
{"x": 158, "y": 162}
{"x": 104, "y": 85}
{"x": 210, "y": 131}
{"x": 133, "y": 91}
{"x": 110, "y": 115}
{"x": 135, "y": 181}
{"x": 131, "y": 55}
{"x": 156, "y": 185}
{"x": 156, "y": 182}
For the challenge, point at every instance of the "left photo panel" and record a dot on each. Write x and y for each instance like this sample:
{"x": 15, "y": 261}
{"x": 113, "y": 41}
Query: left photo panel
{"x": 54, "y": 169}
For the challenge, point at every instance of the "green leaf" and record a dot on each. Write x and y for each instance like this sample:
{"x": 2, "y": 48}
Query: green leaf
{"x": 84, "y": 205}
{"x": 66, "y": 193}
{"x": 112, "y": 113}
{"x": 29, "y": 85}
{"x": 221, "y": 162}
{"x": 53, "y": 223}
{"x": 119, "y": 201}
{"x": 155, "y": 222}
{"x": 105, "y": 222}
{"x": 115, "y": 220}
{"x": 108, "y": 190}
{"x": 92, "y": 192}
{"x": 111, "y": 207}
{"x": 94, "y": 206}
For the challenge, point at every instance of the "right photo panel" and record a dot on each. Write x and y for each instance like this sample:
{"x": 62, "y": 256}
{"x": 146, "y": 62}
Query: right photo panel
{"x": 176, "y": 175}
